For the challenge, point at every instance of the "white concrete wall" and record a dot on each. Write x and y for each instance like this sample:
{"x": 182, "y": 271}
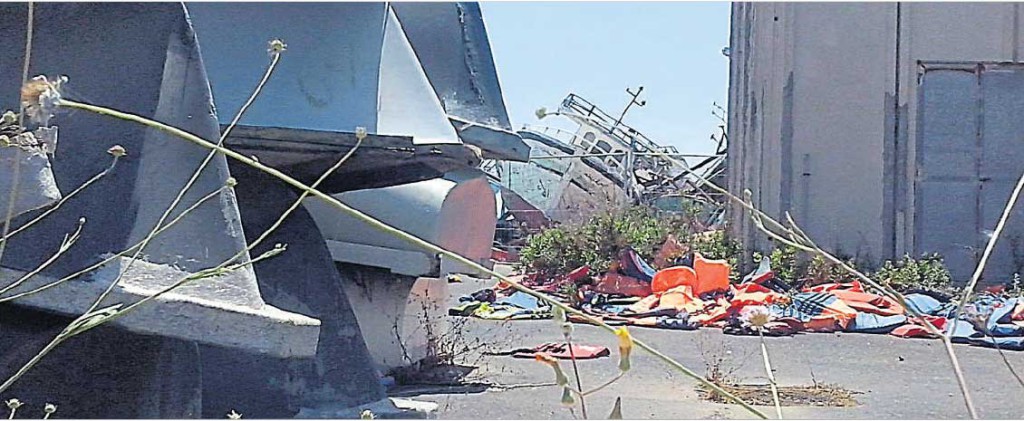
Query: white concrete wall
{"x": 813, "y": 110}
{"x": 403, "y": 313}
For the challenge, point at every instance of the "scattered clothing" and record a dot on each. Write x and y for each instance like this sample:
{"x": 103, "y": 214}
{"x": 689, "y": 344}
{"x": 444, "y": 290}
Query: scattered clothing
{"x": 484, "y": 295}
{"x": 874, "y": 323}
{"x": 922, "y": 303}
{"x": 631, "y": 264}
{"x": 614, "y": 283}
{"x": 696, "y": 293}
{"x": 562, "y": 351}
{"x": 917, "y": 328}
{"x": 764, "y": 276}
{"x": 522, "y": 300}
{"x": 820, "y": 311}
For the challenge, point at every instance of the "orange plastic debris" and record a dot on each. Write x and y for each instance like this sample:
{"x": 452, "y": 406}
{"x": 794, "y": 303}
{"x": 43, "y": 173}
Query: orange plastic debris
{"x": 836, "y": 316}
{"x": 613, "y": 283}
{"x": 869, "y": 303}
{"x": 681, "y": 298}
{"x": 646, "y": 304}
{"x": 672, "y": 277}
{"x": 712, "y": 275}
{"x": 705, "y": 276}
{"x": 751, "y": 294}
{"x": 854, "y": 286}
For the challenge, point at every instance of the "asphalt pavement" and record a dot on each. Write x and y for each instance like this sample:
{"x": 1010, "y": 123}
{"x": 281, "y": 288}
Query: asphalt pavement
{"x": 894, "y": 378}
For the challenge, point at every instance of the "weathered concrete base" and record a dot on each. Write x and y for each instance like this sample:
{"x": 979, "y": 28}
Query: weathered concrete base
{"x": 402, "y": 314}
{"x": 104, "y": 373}
{"x": 264, "y": 330}
{"x": 389, "y": 408}
{"x": 399, "y": 262}
{"x": 304, "y": 280}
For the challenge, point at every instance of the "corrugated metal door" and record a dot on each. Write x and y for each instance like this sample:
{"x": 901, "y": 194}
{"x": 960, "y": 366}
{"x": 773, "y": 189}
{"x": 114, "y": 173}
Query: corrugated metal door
{"x": 970, "y": 154}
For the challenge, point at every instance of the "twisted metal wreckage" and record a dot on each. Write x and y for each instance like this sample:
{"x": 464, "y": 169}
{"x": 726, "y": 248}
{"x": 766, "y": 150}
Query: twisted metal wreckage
{"x": 308, "y": 332}
{"x": 603, "y": 165}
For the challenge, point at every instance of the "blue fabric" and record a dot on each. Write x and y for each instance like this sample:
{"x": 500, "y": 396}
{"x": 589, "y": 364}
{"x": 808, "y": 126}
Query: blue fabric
{"x": 1015, "y": 343}
{"x": 646, "y": 268}
{"x": 987, "y": 303}
{"x": 946, "y": 310}
{"x": 520, "y": 299}
{"x": 922, "y": 303}
{"x": 999, "y": 323}
{"x": 874, "y": 323}
{"x": 962, "y": 331}
{"x": 1007, "y": 336}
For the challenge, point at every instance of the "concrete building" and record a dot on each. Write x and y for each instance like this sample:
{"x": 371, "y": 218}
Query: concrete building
{"x": 883, "y": 128}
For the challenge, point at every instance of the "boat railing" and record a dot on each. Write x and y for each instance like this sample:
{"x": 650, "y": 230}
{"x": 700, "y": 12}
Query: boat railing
{"x": 614, "y": 163}
{"x": 580, "y": 106}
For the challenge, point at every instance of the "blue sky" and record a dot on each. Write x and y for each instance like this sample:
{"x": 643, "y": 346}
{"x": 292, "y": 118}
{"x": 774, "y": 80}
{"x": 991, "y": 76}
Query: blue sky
{"x": 544, "y": 50}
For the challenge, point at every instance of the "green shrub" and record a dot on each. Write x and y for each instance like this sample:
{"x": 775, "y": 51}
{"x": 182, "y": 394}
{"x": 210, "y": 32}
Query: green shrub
{"x": 821, "y": 271}
{"x": 554, "y": 250}
{"x": 598, "y": 241}
{"x": 637, "y": 227}
{"x": 928, "y": 273}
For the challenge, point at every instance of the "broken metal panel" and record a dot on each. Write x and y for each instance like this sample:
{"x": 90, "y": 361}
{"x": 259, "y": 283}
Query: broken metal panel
{"x": 157, "y": 73}
{"x": 566, "y": 189}
{"x": 599, "y": 132}
{"x": 451, "y": 42}
{"x": 407, "y": 104}
{"x": 538, "y": 182}
{"x": 616, "y": 164}
{"x": 381, "y": 160}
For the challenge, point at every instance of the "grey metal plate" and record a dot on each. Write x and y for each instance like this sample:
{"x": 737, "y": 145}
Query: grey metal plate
{"x": 971, "y": 152}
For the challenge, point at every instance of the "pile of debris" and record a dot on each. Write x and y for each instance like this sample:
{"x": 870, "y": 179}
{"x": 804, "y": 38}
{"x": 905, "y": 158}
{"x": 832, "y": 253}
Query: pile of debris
{"x": 690, "y": 292}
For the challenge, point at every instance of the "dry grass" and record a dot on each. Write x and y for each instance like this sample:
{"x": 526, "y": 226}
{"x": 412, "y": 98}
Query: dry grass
{"x": 820, "y": 394}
